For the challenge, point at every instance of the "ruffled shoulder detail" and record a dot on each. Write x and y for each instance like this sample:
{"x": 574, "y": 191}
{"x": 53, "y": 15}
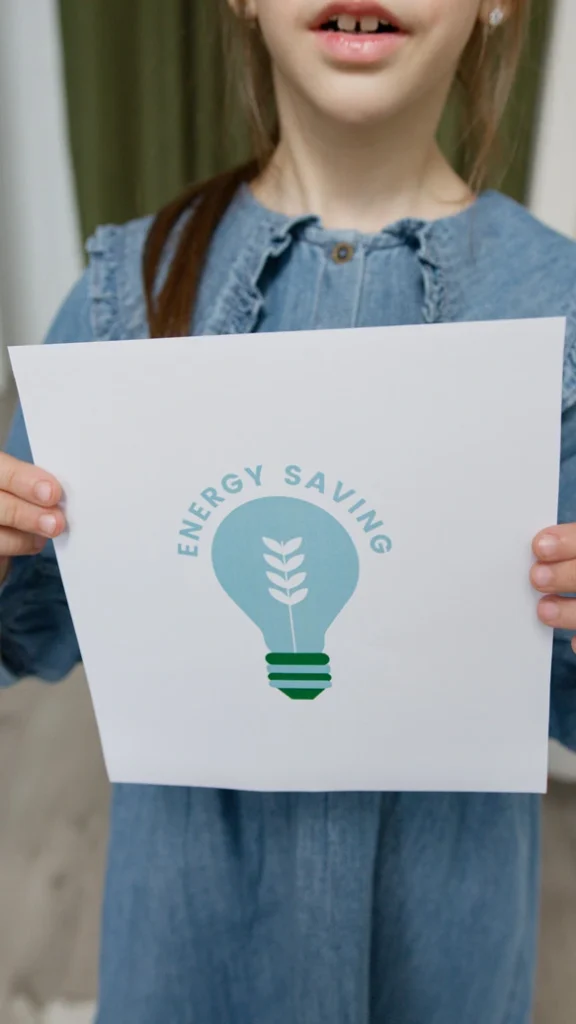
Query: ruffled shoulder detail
{"x": 115, "y": 281}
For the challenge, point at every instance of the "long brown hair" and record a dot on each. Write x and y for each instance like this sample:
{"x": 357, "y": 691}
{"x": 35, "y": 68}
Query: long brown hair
{"x": 484, "y": 79}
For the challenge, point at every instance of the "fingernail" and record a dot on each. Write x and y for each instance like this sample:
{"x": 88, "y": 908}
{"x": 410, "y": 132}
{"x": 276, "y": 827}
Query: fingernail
{"x": 549, "y": 611}
{"x": 43, "y": 491}
{"x": 48, "y": 525}
{"x": 39, "y": 543}
{"x": 548, "y": 545}
{"x": 542, "y": 575}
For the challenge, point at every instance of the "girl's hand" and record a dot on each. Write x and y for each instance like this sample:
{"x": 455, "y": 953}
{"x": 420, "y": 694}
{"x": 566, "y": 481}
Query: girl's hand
{"x": 555, "y": 574}
{"x": 28, "y": 509}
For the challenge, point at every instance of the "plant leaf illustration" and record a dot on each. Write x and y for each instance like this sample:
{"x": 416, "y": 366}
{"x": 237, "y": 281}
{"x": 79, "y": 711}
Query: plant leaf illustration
{"x": 291, "y": 546}
{"x": 287, "y": 584}
{"x": 273, "y": 545}
{"x": 296, "y": 581}
{"x": 276, "y": 563}
{"x": 289, "y": 599}
{"x": 286, "y": 578}
{"x": 294, "y": 563}
{"x": 277, "y": 580}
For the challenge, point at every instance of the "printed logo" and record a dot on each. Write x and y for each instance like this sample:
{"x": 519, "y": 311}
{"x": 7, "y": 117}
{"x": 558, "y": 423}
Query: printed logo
{"x": 292, "y": 568}
{"x": 287, "y": 563}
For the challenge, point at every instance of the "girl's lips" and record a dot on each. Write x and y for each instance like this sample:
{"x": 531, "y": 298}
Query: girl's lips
{"x": 359, "y": 48}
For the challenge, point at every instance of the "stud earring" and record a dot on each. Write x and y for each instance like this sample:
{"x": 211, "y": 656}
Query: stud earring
{"x": 495, "y": 18}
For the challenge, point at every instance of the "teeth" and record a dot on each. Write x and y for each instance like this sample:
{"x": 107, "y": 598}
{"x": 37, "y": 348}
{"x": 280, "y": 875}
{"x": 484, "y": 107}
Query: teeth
{"x": 347, "y": 23}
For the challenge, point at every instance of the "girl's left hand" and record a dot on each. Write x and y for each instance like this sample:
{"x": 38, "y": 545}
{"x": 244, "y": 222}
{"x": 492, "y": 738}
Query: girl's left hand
{"x": 555, "y": 574}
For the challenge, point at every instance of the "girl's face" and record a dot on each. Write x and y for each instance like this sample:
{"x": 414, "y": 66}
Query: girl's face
{"x": 360, "y": 61}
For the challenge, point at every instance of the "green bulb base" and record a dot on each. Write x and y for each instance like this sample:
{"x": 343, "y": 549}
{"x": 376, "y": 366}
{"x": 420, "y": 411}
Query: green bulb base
{"x": 301, "y": 694}
{"x": 299, "y": 676}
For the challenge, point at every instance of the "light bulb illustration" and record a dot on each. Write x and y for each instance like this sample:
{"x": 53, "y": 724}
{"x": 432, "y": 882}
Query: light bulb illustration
{"x": 291, "y": 567}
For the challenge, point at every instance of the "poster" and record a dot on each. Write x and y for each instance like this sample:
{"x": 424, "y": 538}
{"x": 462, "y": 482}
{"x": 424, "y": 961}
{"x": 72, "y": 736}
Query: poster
{"x": 301, "y": 561}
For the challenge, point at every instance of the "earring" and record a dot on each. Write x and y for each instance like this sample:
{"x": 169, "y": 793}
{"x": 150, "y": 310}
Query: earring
{"x": 495, "y": 18}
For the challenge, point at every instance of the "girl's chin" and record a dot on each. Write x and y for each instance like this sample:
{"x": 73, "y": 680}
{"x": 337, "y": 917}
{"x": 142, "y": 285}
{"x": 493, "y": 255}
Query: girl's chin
{"x": 354, "y": 107}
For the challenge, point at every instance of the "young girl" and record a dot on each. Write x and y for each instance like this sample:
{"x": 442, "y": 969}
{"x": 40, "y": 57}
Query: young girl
{"x": 242, "y": 908}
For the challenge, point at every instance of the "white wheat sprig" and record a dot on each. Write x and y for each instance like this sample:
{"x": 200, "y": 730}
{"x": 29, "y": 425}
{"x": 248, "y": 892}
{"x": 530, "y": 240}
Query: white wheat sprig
{"x": 287, "y": 582}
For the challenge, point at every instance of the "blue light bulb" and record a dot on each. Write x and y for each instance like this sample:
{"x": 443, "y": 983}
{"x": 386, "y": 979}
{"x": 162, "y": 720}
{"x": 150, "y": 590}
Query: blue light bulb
{"x": 291, "y": 567}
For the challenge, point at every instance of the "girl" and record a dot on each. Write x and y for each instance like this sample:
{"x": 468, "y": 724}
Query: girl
{"x": 238, "y": 908}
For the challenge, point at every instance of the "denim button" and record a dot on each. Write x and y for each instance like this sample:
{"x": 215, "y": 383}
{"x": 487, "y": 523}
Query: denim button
{"x": 342, "y": 252}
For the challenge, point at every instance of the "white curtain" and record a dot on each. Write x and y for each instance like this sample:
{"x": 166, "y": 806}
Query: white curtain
{"x": 40, "y": 251}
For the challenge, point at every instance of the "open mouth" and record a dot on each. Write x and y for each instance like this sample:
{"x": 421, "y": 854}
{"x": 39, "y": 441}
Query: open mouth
{"x": 358, "y": 33}
{"x": 359, "y": 26}
{"x": 357, "y": 18}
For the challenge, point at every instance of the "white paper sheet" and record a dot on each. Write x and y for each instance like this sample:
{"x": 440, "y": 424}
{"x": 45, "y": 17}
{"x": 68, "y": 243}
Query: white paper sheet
{"x": 388, "y": 573}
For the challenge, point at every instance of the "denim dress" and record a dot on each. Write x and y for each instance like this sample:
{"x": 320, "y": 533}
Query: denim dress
{"x": 339, "y": 908}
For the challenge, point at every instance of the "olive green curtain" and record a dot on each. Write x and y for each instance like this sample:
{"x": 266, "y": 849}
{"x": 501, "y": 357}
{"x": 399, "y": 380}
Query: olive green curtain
{"x": 519, "y": 133}
{"x": 146, "y": 100}
{"x": 147, "y": 96}
{"x": 511, "y": 172}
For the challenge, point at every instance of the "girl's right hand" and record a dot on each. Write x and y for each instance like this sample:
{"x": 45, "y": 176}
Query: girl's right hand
{"x": 29, "y": 512}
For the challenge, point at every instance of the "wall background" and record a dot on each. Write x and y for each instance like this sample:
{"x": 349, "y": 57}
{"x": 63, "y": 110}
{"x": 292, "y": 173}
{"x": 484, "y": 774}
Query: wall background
{"x": 40, "y": 252}
{"x": 552, "y": 195}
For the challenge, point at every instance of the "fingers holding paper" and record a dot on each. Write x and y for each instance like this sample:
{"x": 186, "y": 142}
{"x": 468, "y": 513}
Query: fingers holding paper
{"x": 26, "y": 481}
{"x": 29, "y": 512}
{"x": 554, "y": 575}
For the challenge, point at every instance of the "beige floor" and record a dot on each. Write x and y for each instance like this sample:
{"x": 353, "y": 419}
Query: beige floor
{"x": 53, "y": 806}
{"x": 53, "y": 814}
